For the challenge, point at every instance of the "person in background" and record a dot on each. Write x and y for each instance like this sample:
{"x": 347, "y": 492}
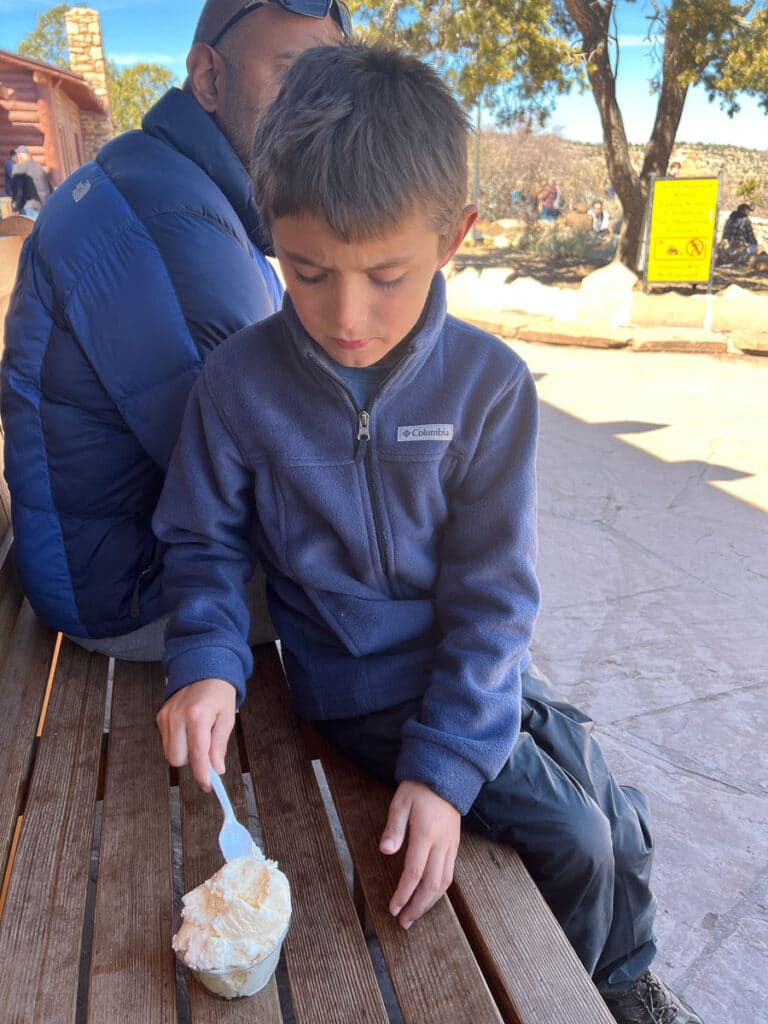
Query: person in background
{"x": 10, "y": 163}
{"x": 738, "y": 242}
{"x": 141, "y": 264}
{"x": 30, "y": 186}
{"x": 384, "y": 474}
{"x": 600, "y": 218}
{"x": 674, "y": 169}
{"x": 548, "y": 201}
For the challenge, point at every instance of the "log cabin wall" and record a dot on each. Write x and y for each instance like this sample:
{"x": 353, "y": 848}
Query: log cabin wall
{"x": 55, "y": 113}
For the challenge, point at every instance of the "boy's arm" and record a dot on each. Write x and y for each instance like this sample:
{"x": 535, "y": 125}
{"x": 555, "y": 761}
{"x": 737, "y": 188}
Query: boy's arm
{"x": 487, "y": 600}
{"x": 204, "y": 517}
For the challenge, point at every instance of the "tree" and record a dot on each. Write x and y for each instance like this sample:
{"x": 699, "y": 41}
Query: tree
{"x": 48, "y": 40}
{"x": 519, "y": 55}
{"x": 132, "y": 90}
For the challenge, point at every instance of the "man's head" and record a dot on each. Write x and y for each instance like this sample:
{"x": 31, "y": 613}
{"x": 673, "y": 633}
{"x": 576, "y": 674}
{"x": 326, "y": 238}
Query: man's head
{"x": 360, "y": 174}
{"x": 743, "y": 209}
{"x": 597, "y": 206}
{"x": 12, "y": 155}
{"x": 674, "y": 169}
{"x": 241, "y": 51}
{"x": 22, "y": 154}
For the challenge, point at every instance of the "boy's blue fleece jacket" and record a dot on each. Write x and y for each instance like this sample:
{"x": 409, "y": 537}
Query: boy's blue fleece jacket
{"x": 399, "y": 547}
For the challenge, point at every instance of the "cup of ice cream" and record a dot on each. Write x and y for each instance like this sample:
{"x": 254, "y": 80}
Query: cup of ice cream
{"x": 234, "y": 924}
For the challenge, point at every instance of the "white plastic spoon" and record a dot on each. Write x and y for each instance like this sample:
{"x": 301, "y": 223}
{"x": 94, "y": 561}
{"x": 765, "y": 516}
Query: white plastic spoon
{"x": 234, "y": 839}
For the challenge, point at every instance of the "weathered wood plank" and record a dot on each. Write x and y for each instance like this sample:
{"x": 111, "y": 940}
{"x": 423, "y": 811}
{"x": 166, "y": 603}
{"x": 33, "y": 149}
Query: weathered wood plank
{"x": 330, "y": 973}
{"x": 201, "y": 819}
{"x": 532, "y": 968}
{"x": 41, "y": 927}
{"x": 434, "y": 973}
{"x": 132, "y": 964}
{"x": 23, "y": 682}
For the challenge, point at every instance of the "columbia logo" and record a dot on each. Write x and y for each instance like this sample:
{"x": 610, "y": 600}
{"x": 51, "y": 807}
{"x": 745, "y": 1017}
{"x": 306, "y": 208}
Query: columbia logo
{"x": 81, "y": 190}
{"x": 426, "y": 432}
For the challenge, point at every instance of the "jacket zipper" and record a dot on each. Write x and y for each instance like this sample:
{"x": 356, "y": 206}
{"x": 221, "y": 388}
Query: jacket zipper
{"x": 364, "y": 436}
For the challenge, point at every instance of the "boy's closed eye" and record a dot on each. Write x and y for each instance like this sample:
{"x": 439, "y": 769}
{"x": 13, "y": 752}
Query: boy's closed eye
{"x": 320, "y": 278}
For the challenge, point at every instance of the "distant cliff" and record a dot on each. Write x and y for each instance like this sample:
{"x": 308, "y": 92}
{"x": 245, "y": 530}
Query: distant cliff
{"x": 520, "y": 162}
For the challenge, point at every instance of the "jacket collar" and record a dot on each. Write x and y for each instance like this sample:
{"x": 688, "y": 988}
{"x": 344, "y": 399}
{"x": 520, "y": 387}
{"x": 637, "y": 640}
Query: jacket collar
{"x": 178, "y": 120}
{"x": 420, "y": 346}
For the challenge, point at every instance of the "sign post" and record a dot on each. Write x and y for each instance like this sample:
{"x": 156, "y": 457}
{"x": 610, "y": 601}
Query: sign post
{"x": 681, "y": 228}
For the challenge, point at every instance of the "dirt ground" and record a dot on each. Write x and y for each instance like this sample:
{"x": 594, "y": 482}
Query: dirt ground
{"x": 569, "y": 273}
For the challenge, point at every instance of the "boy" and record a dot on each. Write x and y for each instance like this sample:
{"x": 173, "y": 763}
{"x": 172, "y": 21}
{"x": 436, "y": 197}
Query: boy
{"x": 385, "y": 480}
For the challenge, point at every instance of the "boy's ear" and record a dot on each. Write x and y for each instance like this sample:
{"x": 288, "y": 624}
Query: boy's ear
{"x": 466, "y": 220}
{"x": 205, "y": 70}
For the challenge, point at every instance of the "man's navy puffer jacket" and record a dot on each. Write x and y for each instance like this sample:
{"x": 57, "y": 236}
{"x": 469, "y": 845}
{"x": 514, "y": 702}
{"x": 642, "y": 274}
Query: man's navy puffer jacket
{"x": 140, "y": 264}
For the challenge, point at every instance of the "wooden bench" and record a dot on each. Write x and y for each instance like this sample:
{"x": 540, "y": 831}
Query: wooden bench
{"x": 88, "y": 811}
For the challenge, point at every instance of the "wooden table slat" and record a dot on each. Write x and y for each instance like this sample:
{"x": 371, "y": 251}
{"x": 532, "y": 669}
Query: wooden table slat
{"x": 493, "y": 893}
{"x": 434, "y": 973}
{"x": 41, "y": 928}
{"x": 201, "y": 819}
{"x": 132, "y": 964}
{"x": 329, "y": 969}
{"x": 23, "y": 682}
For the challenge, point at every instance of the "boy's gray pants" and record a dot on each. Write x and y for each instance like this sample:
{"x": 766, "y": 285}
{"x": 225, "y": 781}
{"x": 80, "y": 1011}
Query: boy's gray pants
{"x": 585, "y": 840}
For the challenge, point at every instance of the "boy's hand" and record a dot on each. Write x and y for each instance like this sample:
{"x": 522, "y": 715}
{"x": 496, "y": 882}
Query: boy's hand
{"x": 195, "y": 724}
{"x": 434, "y": 828}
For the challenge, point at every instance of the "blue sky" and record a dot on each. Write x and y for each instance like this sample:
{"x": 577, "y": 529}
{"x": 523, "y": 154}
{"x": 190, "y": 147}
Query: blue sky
{"x": 159, "y": 31}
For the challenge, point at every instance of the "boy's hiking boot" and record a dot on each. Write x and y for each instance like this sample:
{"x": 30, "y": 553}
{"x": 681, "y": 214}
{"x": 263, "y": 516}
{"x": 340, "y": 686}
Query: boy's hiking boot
{"x": 649, "y": 1001}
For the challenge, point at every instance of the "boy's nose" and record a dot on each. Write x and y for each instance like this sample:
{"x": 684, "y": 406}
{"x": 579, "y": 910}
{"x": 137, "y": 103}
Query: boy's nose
{"x": 348, "y": 310}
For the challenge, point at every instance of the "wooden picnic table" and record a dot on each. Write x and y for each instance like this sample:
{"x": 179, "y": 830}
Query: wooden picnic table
{"x": 99, "y": 837}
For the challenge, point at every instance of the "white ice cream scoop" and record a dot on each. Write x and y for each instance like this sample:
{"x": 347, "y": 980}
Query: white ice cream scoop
{"x": 234, "y": 839}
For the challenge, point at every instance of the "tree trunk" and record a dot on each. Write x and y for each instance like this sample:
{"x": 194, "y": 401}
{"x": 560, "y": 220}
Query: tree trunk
{"x": 593, "y": 21}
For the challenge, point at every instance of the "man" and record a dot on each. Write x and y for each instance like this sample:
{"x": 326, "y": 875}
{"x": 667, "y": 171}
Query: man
{"x": 10, "y": 163}
{"x": 738, "y": 242}
{"x": 141, "y": 264}
{"x": 30, "y": 186}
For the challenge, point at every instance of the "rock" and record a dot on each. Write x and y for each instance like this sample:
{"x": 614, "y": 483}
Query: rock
{"x": 527, "y": 295}
{"x": 605, "y": 295}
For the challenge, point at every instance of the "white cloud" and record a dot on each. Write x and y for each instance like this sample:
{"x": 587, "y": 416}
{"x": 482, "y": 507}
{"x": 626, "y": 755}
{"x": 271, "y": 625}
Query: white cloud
{"x": 148, "y": 57}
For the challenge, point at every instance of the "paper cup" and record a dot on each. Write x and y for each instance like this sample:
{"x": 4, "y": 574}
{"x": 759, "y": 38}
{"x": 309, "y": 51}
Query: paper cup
{"x": 240, "y": 981}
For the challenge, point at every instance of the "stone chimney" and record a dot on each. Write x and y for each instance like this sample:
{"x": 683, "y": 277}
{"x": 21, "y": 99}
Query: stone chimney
{"x": 86, "y": 58}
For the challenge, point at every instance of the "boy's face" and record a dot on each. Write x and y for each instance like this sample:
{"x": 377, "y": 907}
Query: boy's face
{"x": 358, "y": 300}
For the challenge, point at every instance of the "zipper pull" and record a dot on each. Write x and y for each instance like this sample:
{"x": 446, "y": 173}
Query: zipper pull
{"x": 364, "y": 426}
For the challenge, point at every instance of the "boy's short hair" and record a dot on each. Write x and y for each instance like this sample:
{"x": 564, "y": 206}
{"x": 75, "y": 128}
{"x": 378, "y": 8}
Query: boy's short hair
{"x": 362, "y": 136}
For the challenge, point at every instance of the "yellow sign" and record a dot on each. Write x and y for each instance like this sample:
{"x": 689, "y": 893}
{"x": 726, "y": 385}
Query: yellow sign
{"x": 682, "y": 229}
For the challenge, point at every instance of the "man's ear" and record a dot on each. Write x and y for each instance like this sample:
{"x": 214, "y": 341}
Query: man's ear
{"x": 466, "y": 220}
{"x": 205, "y": 70}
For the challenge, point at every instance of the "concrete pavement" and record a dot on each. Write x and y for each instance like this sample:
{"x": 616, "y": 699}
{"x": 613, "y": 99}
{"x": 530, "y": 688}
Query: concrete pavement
{"x": 654, "y": 566}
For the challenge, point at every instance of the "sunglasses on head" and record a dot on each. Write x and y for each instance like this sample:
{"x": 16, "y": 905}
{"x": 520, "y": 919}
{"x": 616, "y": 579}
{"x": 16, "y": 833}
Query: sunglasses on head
{"x": 309, "y": 8}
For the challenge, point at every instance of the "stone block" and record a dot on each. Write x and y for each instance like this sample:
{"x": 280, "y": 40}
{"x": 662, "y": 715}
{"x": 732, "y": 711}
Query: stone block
{"x": 671, "y": 310}
{"x": 503, "y": 325}
{"x": 678, "y": 339}
{"x": 753, "y": 342}
{"x": 554, "y": 332}
{"x": 740, "y": 310}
